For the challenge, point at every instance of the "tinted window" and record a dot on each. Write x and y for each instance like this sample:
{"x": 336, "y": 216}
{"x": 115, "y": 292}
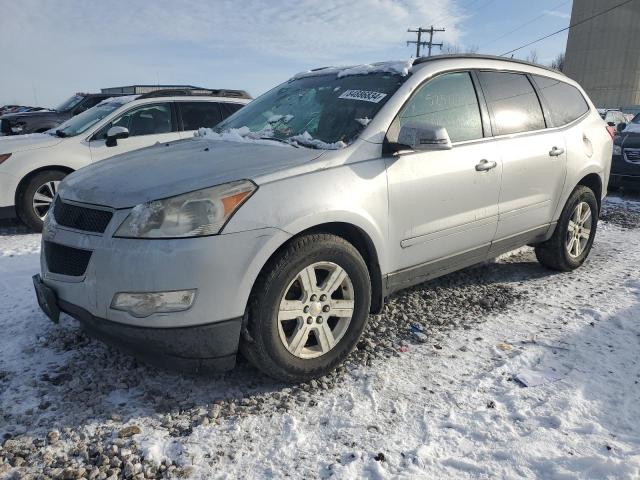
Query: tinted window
{"x": 146, "y": 120}
{"x": 564, "y": 102}
{"x": 447, "y": 101}
{"x": 229, "y": 108}
{"x": 200, "y": 114}
{"x": 512, "y": 101}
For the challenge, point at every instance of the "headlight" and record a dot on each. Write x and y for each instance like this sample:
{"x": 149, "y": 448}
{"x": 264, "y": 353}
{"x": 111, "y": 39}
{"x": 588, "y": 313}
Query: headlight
{"x": 194, "y": 214}
{"x": 617, "y": 150}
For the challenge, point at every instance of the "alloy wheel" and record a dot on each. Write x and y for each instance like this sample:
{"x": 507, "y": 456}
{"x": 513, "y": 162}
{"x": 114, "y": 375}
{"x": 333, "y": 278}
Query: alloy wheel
{"x": 316, "y": 310}
{"x": 43, "y": 197}
{"x": 579, "y": 230}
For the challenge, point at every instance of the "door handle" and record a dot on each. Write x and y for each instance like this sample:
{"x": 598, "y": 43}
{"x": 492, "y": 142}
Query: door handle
{"x": 556, "y": 152}
{"x": 485, "y": 165}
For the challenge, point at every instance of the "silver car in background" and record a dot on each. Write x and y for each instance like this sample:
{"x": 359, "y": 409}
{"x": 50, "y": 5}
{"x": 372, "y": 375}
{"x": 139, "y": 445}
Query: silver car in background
{"x": 278, "y": 232}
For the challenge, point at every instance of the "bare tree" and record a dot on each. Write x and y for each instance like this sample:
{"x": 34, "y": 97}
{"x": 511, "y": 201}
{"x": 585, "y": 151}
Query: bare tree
{"x": 558, "y": 62}
{"x": 455, "y": 48}
{"x": 533, "y": 56}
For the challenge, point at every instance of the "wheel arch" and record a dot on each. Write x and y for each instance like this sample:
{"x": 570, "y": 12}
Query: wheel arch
{"x": 357, "y": 237}
{"x": 25, "y": 179}
{"x": 594, "y": 182}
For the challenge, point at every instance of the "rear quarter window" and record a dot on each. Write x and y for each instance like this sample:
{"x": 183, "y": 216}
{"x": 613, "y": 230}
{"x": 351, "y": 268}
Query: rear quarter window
{"x": 563, "y": 102}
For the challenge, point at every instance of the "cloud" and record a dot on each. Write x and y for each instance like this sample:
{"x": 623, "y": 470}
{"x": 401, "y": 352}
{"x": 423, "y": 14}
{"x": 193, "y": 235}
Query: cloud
{"x": 556, "y": 13}
{"x": 56, "y": 48}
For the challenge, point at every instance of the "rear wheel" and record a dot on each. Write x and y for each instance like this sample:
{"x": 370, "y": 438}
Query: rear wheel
{"x": 34, "y": 201}
{"x": 571, "y": 242}
{"x": 308, "y": 308}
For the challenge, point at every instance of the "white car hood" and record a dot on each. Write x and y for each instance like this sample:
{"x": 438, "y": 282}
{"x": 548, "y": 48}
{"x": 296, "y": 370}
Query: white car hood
{"x": 32, "y": 141}
{"x": 169, "y": 169}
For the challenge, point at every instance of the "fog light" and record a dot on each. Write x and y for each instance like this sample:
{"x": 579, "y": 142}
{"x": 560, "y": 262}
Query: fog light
{"x": 144, "y": 304}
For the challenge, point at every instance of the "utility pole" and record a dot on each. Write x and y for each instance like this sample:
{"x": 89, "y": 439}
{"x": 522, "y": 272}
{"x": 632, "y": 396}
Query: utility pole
{"x": 419, "y": 43}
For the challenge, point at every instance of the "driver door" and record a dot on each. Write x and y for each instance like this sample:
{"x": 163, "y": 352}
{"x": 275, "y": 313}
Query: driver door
{"x": 443, "y": 211}
{"x": 147, "y": 124}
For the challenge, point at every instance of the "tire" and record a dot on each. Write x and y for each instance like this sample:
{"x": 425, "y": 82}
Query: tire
{"x": 44, "y": 183}
{"x": 271, "y": 342}
{"x": 560, "y": 252}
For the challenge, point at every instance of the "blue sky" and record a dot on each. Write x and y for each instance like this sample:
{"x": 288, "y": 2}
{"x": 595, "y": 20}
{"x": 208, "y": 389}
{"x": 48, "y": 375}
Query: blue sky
{"x": 53, "y": 49}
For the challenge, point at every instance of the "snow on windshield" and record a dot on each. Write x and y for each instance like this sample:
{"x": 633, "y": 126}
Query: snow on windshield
{"x": 242, "y": 134}
{"x": 307, "y": 140}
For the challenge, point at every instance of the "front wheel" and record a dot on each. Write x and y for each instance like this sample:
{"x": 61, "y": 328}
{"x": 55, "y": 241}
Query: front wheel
{"x": 36, "y": 197}
{"x": 308, "y": 308}
{"x": 571, "y": 242}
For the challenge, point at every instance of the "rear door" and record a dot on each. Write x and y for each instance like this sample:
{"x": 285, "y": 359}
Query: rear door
{"x": 533, "y": 157}
{"x": 147, "y": 124}
{"x": 198, "y": 114}
{"x": 441, "y": 207}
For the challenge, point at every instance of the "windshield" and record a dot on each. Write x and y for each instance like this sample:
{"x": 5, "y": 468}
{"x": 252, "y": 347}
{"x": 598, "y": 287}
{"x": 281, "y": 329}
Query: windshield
{"x": 636, "y": 119}
{"x": 81, "y": 123}
{"x": 320, "y": 111}
{"x": 69, "y": 103}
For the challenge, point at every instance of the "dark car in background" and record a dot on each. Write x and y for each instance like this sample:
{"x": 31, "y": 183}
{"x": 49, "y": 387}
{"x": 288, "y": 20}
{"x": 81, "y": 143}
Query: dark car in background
{"x": 20, "y": 123}
{"x": 625, "y": 167}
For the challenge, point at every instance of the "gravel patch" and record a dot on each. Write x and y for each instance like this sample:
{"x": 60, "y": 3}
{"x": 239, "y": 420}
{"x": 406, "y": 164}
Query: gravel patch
{"x": 88, "y": 402}
{"x": 625, "y": 215}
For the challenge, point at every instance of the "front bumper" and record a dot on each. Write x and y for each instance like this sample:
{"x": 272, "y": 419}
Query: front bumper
{"x": 221, "y": 268}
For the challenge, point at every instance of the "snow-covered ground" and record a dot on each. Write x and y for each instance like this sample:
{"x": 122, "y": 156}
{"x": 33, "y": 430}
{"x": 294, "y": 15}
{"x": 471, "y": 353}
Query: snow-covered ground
{"x": 433, "y": 391}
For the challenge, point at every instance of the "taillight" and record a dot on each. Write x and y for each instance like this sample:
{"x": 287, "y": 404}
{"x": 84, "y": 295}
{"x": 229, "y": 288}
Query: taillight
{"x": 611, "y": 130}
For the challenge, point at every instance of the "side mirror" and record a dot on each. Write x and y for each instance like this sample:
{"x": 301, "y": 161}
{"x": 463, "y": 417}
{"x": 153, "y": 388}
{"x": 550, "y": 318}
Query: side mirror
{"x": 621, "y": 126}
{"x": 420, "y": 137}
{"x": 114, "y": 134}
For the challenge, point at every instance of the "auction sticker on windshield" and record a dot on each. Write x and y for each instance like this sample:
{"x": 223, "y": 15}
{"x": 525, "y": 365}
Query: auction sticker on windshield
{"x": 364, "y": 95}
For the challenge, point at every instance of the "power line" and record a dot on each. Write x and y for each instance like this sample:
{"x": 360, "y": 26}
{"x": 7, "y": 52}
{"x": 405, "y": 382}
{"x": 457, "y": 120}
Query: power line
{"x": 529, "y": 22}
{"x": 567, "y": 28}
{"x": 419, "y": 43}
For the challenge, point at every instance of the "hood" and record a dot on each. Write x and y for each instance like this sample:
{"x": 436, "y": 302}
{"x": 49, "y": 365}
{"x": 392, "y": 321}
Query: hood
{"x": 169, "y": 169}
{"x": 31, "y": 141}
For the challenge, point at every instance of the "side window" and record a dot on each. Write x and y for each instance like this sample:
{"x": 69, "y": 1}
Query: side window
{"x": 199, "y": 114}
{"x": 146, "y": 120}
{"x": 512, "y": 101}
{"x": 230, "y": 108}
{"x": 448, "y": 101}
{"x": 564, "y": 102}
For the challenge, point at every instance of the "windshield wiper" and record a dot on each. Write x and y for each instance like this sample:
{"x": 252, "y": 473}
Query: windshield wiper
{"x": 280, "y": 140}
{"x": 61, "y": 134}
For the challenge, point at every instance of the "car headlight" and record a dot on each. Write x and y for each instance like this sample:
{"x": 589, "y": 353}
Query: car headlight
{"x": 194, "y": 214}
{"x": 617, "y": 150}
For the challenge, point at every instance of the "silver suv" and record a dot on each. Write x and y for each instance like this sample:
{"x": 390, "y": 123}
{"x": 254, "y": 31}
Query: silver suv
{"x": 278, "y": 232}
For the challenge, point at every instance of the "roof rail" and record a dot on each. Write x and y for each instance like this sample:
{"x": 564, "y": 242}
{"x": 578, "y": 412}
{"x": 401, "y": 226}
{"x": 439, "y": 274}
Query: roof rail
{"x": 480, "y": 56}
{"x": 186, "y": 92}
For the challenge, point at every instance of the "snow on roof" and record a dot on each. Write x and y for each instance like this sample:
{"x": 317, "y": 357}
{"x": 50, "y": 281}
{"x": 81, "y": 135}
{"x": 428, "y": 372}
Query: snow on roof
{"x": 402, "y": 68}
{"x": 396, "y": 67}
{"x": 119, "y": 100}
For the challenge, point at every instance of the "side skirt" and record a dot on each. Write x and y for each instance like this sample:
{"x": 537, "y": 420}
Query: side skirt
{"x": 409, "y": 277}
